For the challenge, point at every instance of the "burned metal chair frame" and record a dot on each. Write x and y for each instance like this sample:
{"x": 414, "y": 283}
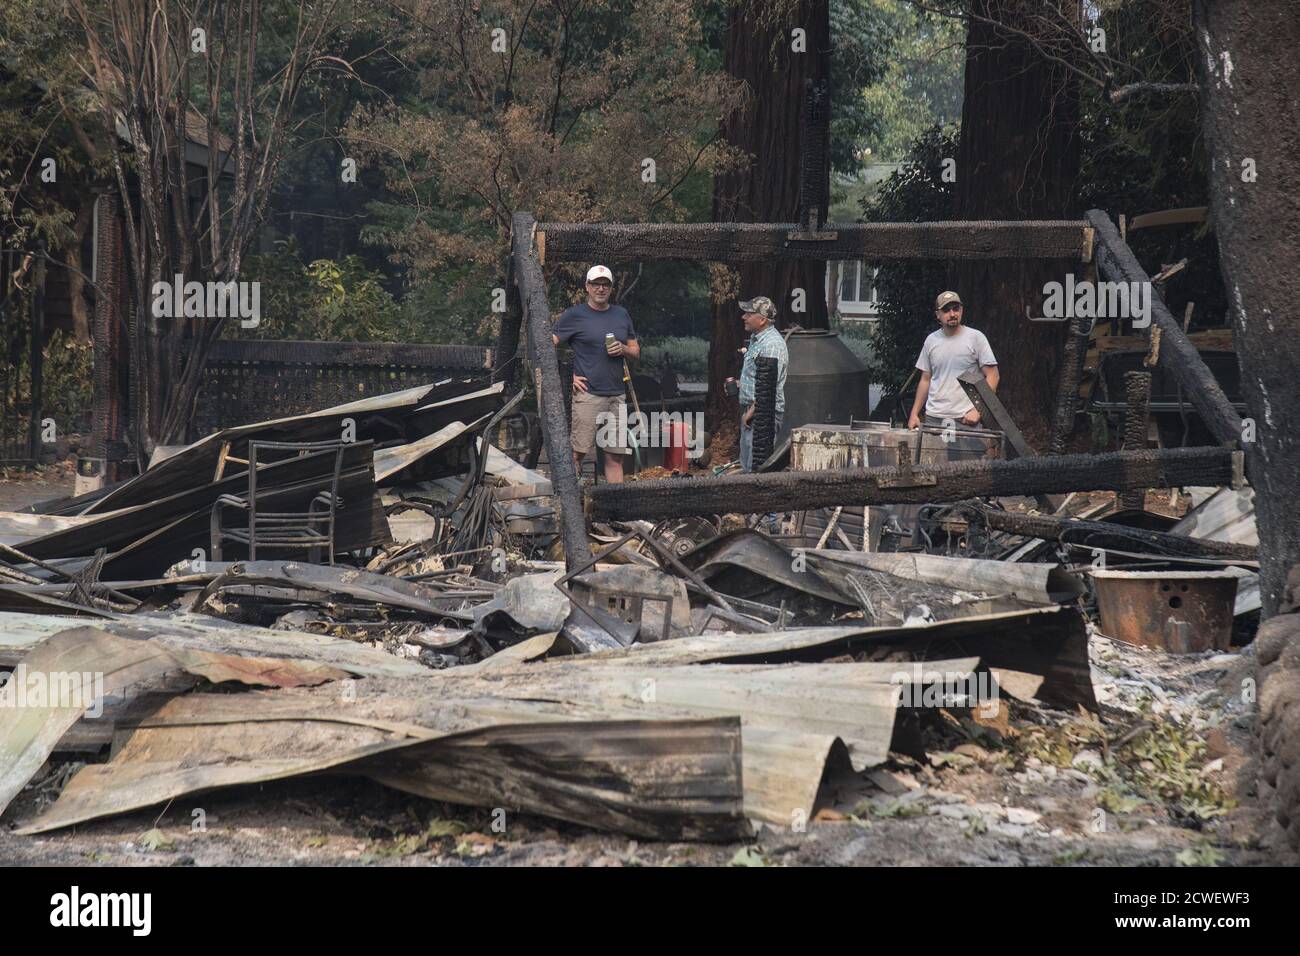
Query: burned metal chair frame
{"x": 309, "y": 530}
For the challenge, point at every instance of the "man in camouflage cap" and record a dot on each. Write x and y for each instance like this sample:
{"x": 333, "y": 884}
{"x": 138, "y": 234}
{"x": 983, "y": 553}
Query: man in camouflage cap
{"x": 764, "y": 342}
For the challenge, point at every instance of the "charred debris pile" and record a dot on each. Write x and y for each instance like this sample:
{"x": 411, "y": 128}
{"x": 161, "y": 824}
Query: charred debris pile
{"x": 381, "y": 589}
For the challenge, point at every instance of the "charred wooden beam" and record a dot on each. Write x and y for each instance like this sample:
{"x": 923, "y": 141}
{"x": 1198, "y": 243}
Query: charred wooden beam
{"x": 956, "y": 481}
{"x": 994, "y": 413}
{"x": 1101, "y": 534}
{"x": 1178, "y": 356}
{"x": 550, "y": 391}
{"x": 768, "y": 242}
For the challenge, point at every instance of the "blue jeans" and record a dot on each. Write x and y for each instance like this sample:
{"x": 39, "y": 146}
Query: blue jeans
{"x": 747, "y": 442}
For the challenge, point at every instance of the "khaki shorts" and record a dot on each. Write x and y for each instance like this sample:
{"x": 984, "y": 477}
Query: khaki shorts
{"x": 597, "y": 420}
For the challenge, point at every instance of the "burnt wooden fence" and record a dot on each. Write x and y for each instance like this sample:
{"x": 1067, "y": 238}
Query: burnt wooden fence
{"x": 254, "y": 380}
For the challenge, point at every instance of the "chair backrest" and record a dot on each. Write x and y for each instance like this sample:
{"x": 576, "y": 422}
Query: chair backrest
{"x": 274, "y": 451}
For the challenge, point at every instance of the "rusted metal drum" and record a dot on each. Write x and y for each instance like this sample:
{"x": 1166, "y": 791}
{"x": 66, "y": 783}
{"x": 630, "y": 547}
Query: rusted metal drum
{"x": 1178, "y": 611}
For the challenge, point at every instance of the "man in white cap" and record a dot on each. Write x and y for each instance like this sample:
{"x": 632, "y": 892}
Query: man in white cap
{"x": 949, "y": 352}
{"x": 601, "y": 336}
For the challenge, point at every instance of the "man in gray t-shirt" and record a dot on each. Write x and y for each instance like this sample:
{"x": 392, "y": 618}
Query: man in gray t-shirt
{"x": 949, "y": 352}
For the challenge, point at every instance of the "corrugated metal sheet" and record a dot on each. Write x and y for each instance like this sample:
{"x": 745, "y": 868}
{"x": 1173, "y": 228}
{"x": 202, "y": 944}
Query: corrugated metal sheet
{"x": 1228, "y": 515}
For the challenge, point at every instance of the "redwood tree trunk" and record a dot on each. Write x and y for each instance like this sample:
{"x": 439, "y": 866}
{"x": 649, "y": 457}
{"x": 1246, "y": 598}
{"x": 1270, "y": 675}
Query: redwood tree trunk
{"x": 1249, "y": 78}
{"x": 757, "y": 50}
{"x": 1018, "y": 159}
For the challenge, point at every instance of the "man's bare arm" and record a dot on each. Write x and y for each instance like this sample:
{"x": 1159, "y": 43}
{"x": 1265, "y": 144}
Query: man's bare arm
{"x": 922, "y": 392}
{"x": 991, "y": 376}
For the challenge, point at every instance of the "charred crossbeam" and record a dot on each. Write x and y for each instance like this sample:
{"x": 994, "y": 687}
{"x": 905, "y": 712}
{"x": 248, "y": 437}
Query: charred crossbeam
{"x": 1178, "y": 356}
{"x": 770, "y": 242}
{"x": 1101, "y": 534}
{"x": 955, "y": 481}
{"x": 550, "y": 393}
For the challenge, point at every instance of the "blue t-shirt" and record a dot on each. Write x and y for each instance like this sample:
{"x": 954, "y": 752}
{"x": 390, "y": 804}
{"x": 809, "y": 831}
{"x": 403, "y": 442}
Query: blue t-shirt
{"x": 583, "y": 329}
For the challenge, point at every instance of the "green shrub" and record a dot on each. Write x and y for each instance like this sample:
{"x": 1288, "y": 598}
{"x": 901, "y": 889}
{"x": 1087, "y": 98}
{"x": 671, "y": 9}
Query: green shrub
{"x": 689, "y": 357}
{"x": 325, "y": 300}
{"x": 67, "y": 383}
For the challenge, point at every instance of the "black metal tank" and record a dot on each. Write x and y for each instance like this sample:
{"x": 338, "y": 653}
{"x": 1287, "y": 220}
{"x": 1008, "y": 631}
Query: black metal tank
{"x": 825, "y": 384}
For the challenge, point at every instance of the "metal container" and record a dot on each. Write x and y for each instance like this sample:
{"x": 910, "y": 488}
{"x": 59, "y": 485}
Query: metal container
{"x": 871, "y": 445}
{"x": 875, "y": 444}
{"x": 825, "y": 382}
{"x": 1178, "y": 611}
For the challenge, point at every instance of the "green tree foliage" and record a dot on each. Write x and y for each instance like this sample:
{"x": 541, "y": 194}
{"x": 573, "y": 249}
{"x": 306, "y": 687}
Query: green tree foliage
{"x": 1146, "y": 152}
{"x": 326, "y": 299}
{"x": 869, "y": 38}
{"x": 906, "y": 288}
{"x": 555, "y": 112}
{"x": 922, "y": 77}
{"x": 46, "y": 116}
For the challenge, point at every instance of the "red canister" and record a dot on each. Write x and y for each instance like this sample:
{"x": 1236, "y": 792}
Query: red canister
{"x": 675, "y": 443}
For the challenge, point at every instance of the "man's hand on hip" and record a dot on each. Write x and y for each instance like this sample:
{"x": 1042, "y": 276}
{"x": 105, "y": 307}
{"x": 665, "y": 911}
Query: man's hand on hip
{"x": 971, "y": 418}
{"x": 579, "y": 384}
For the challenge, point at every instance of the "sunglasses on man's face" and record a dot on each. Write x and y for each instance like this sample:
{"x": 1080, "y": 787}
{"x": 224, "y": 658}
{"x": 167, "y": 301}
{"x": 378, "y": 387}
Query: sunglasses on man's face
{"x": 952, "y": 307}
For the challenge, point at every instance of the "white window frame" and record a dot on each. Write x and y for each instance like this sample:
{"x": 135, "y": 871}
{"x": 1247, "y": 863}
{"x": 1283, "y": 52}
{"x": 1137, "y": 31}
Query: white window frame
{"x": 855, "y": 309}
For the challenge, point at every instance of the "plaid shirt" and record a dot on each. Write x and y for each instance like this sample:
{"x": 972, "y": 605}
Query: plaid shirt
{"x": 766, "y": 344}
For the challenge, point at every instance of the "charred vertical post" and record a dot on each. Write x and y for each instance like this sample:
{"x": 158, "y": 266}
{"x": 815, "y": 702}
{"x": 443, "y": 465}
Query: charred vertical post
{"x": 814, "y": 156}
{"x": 110, "y": 296}
{"x": 555, "y": 424}
{"x": 766, "y": 372}
{"x": 40, "y": 274}
{"x": 509, "y": 361}
{"x": 1067, "y": 394}
{"x": 1137, "y": 422}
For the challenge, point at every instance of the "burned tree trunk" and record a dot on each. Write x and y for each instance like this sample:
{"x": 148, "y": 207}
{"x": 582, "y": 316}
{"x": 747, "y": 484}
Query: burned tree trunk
{"x": 1018, "y": 158}
{"x": 1249, "y": 78}
{"x": 756, "y": 494}
{"x": 759, "y": 49}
